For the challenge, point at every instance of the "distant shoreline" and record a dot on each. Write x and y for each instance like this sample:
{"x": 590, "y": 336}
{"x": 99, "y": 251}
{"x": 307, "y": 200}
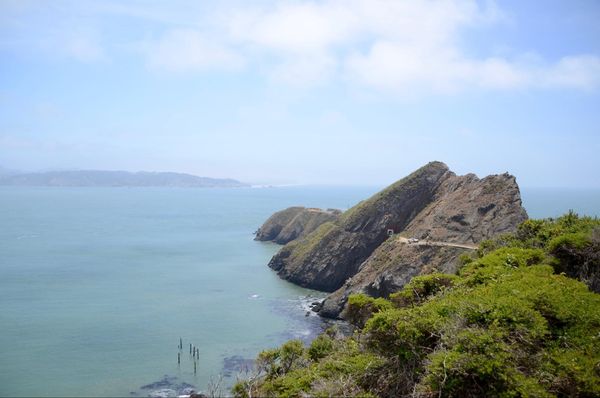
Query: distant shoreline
{"x": 104, "y": 178}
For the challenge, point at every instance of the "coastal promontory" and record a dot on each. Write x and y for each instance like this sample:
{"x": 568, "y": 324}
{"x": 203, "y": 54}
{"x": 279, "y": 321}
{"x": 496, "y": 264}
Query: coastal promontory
{"x": 417, "y": 225}
{"x": 294, "y": 222}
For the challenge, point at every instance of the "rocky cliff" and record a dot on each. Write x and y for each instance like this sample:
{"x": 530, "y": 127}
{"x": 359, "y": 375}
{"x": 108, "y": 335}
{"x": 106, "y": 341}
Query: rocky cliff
{"x": 448, "y": 213}
{"x": 326, "y": 258}
{"x": 293, "y": 223}
{"x": 464, "y": 211}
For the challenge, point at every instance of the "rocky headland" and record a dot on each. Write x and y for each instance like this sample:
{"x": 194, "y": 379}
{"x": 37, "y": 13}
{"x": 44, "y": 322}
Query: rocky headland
{"x": 417, "y": 225}
{"x": 293, "y": 223}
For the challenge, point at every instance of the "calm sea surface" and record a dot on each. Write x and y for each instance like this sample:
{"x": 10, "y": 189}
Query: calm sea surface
{"x": 97, "y": 285}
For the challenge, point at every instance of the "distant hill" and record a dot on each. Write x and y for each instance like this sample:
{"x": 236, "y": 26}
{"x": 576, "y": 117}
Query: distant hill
{"x": 102, "y": 178}
{"x": 6, "y": 172}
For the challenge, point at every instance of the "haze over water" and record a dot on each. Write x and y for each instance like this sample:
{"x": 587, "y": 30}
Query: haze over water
{"x": 98, "y": 284}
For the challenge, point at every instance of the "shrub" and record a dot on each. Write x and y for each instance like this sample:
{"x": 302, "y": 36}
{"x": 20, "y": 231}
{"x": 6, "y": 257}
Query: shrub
{"x": 320, "y": 347}
{"x": 510, "y": 324}
{"x": 361, "y": 307}
{"x": 480, "y": 363}
{"x": 290, "y": 354}
{"x": 421, "y": 288}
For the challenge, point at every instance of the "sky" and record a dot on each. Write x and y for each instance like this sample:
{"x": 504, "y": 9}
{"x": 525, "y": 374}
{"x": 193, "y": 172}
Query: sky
{"x": 344, "y": 92}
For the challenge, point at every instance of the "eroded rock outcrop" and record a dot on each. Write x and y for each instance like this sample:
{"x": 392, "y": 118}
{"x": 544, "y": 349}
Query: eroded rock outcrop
{"x": 354, "y": 253}
{"x": 391, "y": 266}
{"x": 293, "y": 223}
{"x": 465, "y": 210}
{"x": 327, "y": 257}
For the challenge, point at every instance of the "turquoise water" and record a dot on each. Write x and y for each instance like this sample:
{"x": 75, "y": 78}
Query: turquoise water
{"x": 97, "y": 285}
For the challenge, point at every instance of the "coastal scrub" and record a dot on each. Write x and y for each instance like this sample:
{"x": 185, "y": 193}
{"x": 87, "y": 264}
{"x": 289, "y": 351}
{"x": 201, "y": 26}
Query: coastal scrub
{"x": 514, "y": 321}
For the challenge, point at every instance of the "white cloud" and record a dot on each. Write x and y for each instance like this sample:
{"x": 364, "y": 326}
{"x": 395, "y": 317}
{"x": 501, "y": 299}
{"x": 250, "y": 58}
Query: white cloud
{"x": 293, "y": 27}
{"x": 413, "y": 70}
{"x": 304, "y": 69}
{"x": 499, "y": 73}
{"x": 399, "y": 46}
{"x": 412, "y": 46}
{"x": 188, "y": 49}
{"x": 582, "y": 72}
{"x": 84, "y": 49}
{"x": 405, "y": 68}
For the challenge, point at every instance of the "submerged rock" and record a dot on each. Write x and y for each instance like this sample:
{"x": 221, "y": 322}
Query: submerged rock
{"x": 236, "y": 364}
{"x": 164, "y": 393}
{"x": 168, "y": 386}
{"x": 166, "y": 381}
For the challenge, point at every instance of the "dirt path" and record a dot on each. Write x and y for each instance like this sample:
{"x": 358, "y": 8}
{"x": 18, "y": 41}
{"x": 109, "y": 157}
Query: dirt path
{"x": 433, "y": 243}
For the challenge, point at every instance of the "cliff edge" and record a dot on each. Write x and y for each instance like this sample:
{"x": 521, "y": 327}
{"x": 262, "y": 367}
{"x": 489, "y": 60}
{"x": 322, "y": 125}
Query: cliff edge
{"x": 327, "y": 257}
{"x": 370, "y": 248}
{"x": 464, "y": 211}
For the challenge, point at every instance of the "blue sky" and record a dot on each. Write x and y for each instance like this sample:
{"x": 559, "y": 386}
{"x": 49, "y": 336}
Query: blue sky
{"x": 322, "y": 92}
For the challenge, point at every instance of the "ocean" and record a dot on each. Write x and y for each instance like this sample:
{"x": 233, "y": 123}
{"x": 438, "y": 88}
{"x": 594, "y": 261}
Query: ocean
{"x": 97, "y": 285}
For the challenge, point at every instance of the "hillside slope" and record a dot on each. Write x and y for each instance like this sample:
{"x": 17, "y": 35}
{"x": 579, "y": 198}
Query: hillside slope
{"x": 465, "y": 210}
{"x": 510, "y": 323}
{"x": 294, "y": 222}
{"x": 327, "y": 257}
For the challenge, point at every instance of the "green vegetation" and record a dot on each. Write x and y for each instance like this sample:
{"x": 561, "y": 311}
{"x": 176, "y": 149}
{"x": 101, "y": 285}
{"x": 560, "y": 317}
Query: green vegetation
{"x": 361, "y": 307}
{"x": 367, "y": 209}
{"x": 512, "y": 323}
{"x": 306, "y": 245}
{"x": 573, "y": 243}
{"x": 421, "y": 288}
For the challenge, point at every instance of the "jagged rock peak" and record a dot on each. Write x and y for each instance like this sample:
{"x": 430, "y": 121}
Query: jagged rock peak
{"x": 354, "y": 252}
{"x": 332, "y": 253}
{"x": 464, "y": 211}
{"x": 467, "y": 209}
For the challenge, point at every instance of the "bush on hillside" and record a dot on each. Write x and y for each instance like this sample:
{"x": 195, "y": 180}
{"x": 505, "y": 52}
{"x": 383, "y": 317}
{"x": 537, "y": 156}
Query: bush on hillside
{"x": 512, "y": 323}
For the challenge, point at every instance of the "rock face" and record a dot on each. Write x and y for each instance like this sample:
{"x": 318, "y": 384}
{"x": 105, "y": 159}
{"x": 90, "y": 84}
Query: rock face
{"x": 324, "y": 259}
{"x": 293, "y": 223}
{"x": 391, "y": 266}
{"x": 467, "y": 209}
{"x": 355, "y": 254}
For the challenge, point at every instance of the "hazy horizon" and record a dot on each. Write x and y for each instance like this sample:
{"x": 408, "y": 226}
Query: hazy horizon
{"x": 376, "y": 186}
{"x": 329, "y": 92}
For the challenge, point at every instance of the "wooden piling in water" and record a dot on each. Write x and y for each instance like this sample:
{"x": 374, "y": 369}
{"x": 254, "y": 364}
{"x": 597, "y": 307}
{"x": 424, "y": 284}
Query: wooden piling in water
{"x": 190, "y": 348}
{"x": 178, "y": 358}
